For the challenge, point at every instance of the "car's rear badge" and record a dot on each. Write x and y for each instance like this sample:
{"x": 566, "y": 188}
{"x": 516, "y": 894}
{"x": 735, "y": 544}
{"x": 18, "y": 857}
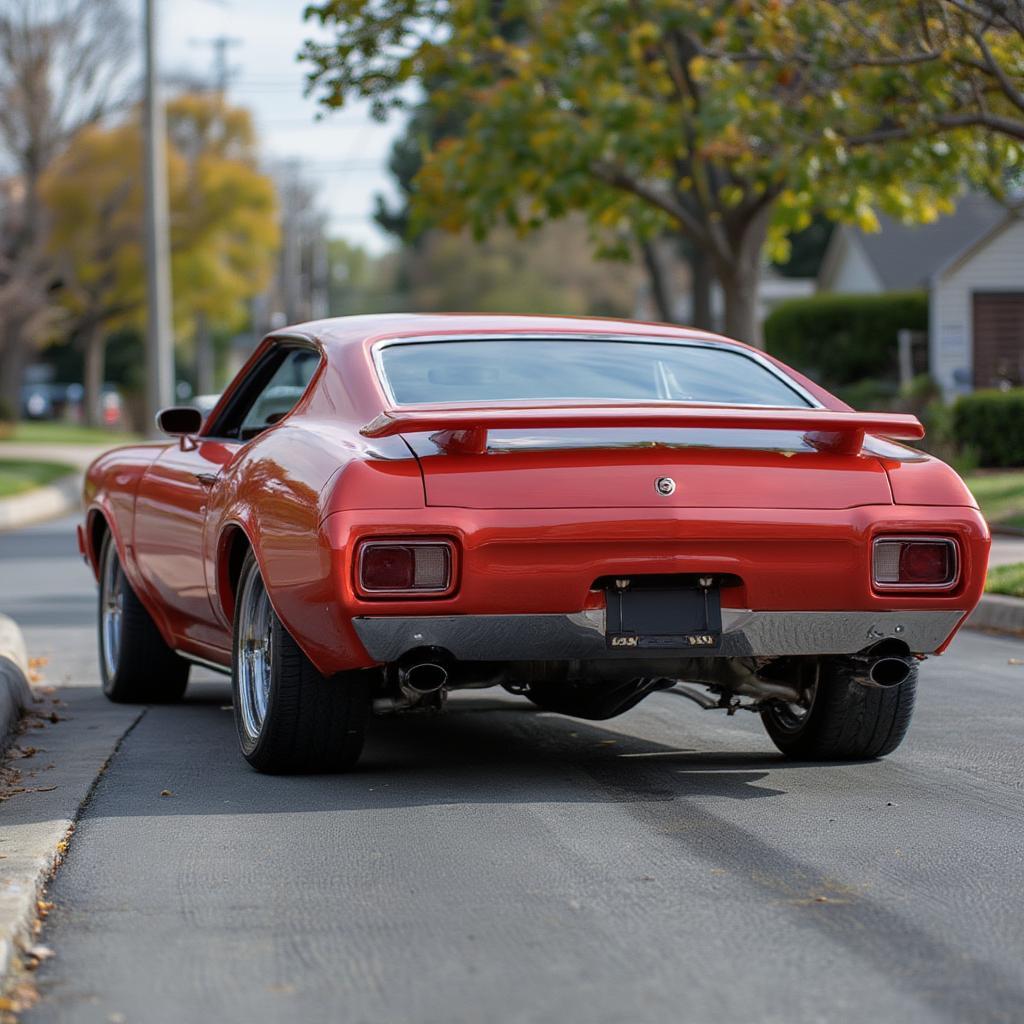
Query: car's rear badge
{"x": 665, "y": 486}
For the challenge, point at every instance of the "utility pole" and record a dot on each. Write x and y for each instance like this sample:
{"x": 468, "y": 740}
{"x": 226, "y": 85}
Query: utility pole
{"x": 221, "y": 72}
{"x": 159, "y": 330}
{"x": 206, "y": 371}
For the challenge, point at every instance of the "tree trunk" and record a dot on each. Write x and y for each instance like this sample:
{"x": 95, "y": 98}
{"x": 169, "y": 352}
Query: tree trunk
{"x": 660, "y": 289}
{"x": 94, "y": 344}
{"x": 12, "y": 366}
{"x": 701, "y": 279}
{"x": 739, "y": 287}
{"x": 741, "y": 279}
{"x": 204, "y": 357}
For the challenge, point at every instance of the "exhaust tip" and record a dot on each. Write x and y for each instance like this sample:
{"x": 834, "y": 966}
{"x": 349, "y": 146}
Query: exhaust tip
{"x": 886, "y": 672}
{"x": 425, "y": 677}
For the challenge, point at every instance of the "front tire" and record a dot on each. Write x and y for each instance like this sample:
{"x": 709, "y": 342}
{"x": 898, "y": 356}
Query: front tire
{"x": 846, "y": 721}
{"x": 288, "y": 716}
{"x": 136, "y": 665}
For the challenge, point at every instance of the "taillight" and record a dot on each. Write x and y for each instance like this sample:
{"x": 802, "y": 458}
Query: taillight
{"x": 404, "y": 567}
{"x": 913, "y": 562}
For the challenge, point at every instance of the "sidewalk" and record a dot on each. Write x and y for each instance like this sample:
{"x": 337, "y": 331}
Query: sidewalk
{"x": 55, "y": 499}
{"x": 78, "y": 455}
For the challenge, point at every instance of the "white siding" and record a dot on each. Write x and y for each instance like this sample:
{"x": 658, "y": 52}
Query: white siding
{"x": 997, "y": 265}
{"x": 850, "y": 271}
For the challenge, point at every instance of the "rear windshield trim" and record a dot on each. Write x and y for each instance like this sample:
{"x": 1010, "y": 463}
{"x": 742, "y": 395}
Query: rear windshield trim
{"x": 636, "y": 339}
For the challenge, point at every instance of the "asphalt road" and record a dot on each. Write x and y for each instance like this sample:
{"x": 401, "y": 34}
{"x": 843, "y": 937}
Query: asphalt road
{"x": 499, "y": 864}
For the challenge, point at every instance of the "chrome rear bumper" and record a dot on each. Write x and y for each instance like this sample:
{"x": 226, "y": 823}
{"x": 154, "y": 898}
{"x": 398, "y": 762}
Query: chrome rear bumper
{"x": 582, "y": 636}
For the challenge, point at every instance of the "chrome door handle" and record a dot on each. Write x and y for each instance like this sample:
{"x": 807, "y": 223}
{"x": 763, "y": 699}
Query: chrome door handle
{"x": 206, "y": 479}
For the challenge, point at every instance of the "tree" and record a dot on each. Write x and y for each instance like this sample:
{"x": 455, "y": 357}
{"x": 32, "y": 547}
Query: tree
{"x": 945, "y": 64}
{"x": 550, "y": 271}
{"x": 61, "y": 67}
{"x": 93, "y": 195}
{"x": 223, "y": 225}
{"x": 644, "y": 114}
{"x": 224, "y": 229}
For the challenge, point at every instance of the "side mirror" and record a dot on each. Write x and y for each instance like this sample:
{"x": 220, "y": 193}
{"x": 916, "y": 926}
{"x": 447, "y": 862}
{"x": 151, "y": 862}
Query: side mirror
{"x": 179, "y": 421}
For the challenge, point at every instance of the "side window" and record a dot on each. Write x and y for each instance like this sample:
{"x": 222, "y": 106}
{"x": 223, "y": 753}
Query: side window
{"x": 283, "y": 390}
{"x": 270, "y": 393}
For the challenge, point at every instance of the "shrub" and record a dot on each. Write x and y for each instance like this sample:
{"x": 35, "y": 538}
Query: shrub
{"x": 992, "y": 423}
{"x": 841, "y": 339}
{"x": 869, "y": 394}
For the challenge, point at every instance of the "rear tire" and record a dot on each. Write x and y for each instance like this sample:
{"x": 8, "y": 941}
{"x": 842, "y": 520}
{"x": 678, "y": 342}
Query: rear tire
{"x": 288, "y": 716}
{"x": 846, "y": 721}
{"x": 136, "y": 665}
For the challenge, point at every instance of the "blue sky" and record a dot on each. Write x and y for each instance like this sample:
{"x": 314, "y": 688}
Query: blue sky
{"x": 344, "y": 155}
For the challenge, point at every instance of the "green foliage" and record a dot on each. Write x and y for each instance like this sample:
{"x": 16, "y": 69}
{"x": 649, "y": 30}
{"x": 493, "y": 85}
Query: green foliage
{"x": 1000, "y": 494}
{"x": 937, "y": 64}
{"x": 869, "y": 394}
{"x": 728, "y": 124}
{"x": 1006, "y": 579}
{"x": 360, "y": 282}
{"x": 60, "y": 432}
{"x": 20, "y": 475}
{"x": 6, "y": 412}
{"x": 807, "y": 249}
{"x": 842, "y": 339}
{"x": 550, "y": 271}
{"x": 992, "y": 422}
{"x": 125, "y": 360}
{"x": 223, "y": 213}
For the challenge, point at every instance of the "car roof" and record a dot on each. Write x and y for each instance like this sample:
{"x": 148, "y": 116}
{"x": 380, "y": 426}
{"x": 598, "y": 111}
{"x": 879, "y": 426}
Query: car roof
{"x": 348, "y": 330}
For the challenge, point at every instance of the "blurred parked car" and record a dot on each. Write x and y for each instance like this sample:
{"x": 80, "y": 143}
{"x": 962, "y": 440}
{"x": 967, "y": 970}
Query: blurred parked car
{"x": 37, "y": 400}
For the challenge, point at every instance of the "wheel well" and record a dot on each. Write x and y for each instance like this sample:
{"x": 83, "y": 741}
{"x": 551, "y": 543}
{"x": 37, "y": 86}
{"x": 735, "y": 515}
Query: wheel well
{"x": 234, "y": 548}
{"x": 97, "y": 530}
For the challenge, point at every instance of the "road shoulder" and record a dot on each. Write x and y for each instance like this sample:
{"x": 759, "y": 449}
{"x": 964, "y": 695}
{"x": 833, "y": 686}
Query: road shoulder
{"x": 40, "y": 504}
{"x": 999, "y": 613}
{"x": 67, "y": 739}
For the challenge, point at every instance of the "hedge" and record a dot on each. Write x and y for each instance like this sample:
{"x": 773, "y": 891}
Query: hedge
{"x": 991, "y": 423}
{"x": 841, "y": 339}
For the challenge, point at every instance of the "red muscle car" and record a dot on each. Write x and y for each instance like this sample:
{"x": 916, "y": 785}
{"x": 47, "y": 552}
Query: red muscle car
{"x": 381, "y": 509}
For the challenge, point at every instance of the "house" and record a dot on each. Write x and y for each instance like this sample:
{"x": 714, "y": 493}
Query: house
{"x": 972, "y": 264}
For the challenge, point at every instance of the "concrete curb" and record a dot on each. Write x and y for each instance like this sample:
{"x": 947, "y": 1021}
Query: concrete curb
{"x": 42, "y": 503}
{"x": 77, "y": 732}
{"x": 15, "y": 693}
{"x": 999, "y": 613}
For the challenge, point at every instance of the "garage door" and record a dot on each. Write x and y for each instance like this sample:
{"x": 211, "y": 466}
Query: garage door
{"x": 998, "y": 339}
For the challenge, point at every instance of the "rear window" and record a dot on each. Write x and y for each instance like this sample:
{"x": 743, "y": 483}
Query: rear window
{"x": 546, "y": 369}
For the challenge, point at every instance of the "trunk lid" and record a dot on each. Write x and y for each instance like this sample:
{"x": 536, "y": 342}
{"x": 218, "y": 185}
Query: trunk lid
{"x": 620, "y": 468}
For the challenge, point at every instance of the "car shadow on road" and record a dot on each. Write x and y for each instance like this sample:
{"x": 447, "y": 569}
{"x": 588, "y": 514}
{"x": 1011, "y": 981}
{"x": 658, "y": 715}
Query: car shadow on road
{"x": 480, "y": 749}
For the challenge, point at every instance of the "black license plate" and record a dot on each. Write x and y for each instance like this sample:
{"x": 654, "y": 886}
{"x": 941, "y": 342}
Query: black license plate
{"x": 679, "y": 618}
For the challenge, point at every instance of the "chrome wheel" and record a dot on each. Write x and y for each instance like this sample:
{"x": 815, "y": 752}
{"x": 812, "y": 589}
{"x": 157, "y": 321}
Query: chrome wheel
{"x": 255, "y": 654}
{"x": 111, "y": 610}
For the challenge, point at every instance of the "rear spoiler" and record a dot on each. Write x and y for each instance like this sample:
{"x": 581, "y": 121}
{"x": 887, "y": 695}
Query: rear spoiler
{"x": 464, "y": 430}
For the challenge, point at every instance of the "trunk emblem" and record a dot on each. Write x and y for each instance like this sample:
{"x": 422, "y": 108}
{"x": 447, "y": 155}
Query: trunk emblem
{"x": 665, "y": 485}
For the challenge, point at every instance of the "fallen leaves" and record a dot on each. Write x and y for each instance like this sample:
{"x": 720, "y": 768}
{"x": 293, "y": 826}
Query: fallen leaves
{"x": 20, "y": 998}
{"x": 36, "y": 954}
{"x": 35, "y": 669}
{"x": 166, "y": 792}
